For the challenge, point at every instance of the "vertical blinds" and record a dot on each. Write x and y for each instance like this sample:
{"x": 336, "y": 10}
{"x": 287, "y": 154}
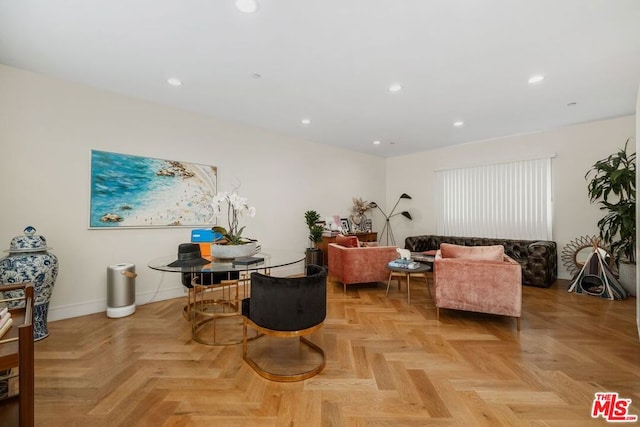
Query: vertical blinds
{"x": 506, "y": 200}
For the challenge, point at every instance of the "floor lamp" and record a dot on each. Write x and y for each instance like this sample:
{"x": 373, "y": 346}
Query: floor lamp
{"x": 387, "y": 225}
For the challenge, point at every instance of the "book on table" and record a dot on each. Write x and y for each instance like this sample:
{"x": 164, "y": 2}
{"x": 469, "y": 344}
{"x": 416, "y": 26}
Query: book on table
{"x": 4, "y": 317}
{"x": 5, "y": 328}
{"x": 423, "y": 257}
{"x": 404, "y": 263}
{"x": 247, "y": 260}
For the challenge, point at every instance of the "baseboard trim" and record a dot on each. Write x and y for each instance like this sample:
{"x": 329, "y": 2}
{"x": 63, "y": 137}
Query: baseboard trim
{"x": 91, "y": 307}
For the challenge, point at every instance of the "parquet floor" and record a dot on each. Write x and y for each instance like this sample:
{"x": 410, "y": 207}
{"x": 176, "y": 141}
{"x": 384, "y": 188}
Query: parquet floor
{"x": 388, "y": 364}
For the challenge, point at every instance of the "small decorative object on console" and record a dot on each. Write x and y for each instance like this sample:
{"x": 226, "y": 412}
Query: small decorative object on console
{"x": 358, "y": 217}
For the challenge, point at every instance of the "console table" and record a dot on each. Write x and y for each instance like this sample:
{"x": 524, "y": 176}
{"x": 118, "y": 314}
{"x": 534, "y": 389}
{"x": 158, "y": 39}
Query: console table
{"x": 324, "y": 245}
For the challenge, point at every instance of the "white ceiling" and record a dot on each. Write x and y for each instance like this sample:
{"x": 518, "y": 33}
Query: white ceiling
{"x": 333, "y": 61}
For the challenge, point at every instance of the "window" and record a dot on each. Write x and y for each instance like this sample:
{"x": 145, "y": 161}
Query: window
{"x": 509, "y": 200}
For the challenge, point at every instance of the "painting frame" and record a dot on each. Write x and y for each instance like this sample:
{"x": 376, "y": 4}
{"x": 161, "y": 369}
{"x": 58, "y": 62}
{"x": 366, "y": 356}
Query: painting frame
{"x": 131, "y": 191}
{"x": 346, "y": 226}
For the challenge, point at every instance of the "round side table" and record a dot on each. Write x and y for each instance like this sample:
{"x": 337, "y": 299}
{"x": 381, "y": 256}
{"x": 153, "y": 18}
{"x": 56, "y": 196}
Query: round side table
{"x": 407, "y": 272}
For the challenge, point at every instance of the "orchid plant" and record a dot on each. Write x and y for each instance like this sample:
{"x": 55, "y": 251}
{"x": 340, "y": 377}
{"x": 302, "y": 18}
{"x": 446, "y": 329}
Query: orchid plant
{"x": 236, "y": 207}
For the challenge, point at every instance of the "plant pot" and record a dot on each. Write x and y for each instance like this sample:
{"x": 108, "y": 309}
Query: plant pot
{"x": 627, "y": 273}
{"x": 233, "y": 251}
{"x": 314, "y": 256}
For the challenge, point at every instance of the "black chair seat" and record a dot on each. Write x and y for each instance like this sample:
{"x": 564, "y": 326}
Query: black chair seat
{"x": 286, "y": 307}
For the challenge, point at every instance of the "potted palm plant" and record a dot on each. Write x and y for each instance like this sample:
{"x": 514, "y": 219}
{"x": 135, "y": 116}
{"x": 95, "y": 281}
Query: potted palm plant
{"x": 613, "y": 186}
{"x": 313, "y": 254}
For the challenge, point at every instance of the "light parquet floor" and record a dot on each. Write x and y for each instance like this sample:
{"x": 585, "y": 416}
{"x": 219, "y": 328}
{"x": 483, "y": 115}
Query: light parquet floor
{"x": 388, "y": 364}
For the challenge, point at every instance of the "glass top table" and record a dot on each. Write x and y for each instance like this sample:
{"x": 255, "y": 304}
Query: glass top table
{"x": 272, "y": 258}
{"x": 204, "y": 308}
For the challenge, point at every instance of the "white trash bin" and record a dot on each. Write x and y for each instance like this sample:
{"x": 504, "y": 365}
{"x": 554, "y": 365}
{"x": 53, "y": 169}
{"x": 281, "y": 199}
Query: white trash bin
{"x": 121, "y": 290}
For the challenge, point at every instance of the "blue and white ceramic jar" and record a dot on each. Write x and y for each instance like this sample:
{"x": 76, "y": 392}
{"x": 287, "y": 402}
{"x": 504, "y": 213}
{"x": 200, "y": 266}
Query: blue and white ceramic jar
{"x": 29, "y": 261}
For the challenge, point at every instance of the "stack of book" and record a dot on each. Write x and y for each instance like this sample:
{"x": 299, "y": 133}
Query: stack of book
{"x": 404, "y": 263}
{"x": 5, "y": 321}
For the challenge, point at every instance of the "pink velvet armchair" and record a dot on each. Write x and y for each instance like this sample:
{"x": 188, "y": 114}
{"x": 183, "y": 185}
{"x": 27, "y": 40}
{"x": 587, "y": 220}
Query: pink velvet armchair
{"x": 477, "y": 278}
{"x": 350, "y": 265}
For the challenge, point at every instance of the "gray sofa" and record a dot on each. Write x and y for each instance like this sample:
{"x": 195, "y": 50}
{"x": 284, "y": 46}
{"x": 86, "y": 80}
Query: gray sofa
{"x": 538, "y": 258}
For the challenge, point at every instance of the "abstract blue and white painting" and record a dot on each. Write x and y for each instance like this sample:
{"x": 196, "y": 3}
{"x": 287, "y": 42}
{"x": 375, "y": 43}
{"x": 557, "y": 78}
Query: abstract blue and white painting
{"x": 134, "y": 191}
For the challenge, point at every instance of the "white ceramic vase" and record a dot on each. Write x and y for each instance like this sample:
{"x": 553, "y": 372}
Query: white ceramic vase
{"x": 233, "y": 251}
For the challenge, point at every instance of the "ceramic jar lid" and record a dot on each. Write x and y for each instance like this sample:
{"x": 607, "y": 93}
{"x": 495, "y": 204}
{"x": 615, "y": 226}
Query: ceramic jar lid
{"x": 30, "y": 242}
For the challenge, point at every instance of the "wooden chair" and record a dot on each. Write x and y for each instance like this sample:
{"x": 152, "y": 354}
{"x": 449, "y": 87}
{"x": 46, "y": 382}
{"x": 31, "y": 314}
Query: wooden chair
{"x": 16, "y": 349}
{"x": 286, "y": 307}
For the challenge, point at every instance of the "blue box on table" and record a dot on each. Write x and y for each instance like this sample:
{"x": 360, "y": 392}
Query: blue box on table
{"x": 202, "y": 235}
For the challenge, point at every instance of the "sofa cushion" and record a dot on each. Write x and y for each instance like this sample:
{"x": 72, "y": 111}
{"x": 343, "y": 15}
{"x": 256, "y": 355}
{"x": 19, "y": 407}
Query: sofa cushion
{"x": 347, "y": 241}
{"x": 485, "y": 253}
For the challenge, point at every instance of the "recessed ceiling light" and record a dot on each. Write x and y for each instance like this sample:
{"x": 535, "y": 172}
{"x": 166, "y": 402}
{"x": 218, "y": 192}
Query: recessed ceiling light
{"x": 458, "y": 123}
{"x": 376, "y": 142}
{"x": 247, "y": 6}
{"x": 572, "y": 104}
{"x": 305, "y": 121}
{"x": 536, "y": 79}
{"x": 174, "y": 82}
{"x": 396, "y": 87}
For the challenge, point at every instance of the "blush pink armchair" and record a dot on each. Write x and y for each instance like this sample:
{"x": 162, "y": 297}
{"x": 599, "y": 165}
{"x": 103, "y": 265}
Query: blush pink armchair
{"x": 478, "y": 278}
{"x": 350, "y": 265}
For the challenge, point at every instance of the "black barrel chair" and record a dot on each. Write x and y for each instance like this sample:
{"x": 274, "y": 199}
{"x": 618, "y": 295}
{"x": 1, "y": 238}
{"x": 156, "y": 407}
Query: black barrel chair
{"x": 286, "y": 307}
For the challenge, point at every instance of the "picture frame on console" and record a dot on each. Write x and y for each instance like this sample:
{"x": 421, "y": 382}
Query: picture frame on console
{"x": 346, "y": 227}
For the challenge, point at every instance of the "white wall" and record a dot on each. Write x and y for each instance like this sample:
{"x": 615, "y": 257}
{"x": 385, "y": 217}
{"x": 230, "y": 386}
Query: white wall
{"x": 576, "y": 148}
{"x": 47, "y": 129}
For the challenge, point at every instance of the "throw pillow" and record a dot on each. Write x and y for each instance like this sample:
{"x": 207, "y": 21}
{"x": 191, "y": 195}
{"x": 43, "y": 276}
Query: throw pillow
{"x": 485, "y": 253}
{"x": 347, "y": 241}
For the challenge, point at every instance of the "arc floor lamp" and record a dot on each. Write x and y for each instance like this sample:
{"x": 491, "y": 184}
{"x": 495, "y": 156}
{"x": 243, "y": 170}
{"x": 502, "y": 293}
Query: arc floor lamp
{"x": 386, "y": 230}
